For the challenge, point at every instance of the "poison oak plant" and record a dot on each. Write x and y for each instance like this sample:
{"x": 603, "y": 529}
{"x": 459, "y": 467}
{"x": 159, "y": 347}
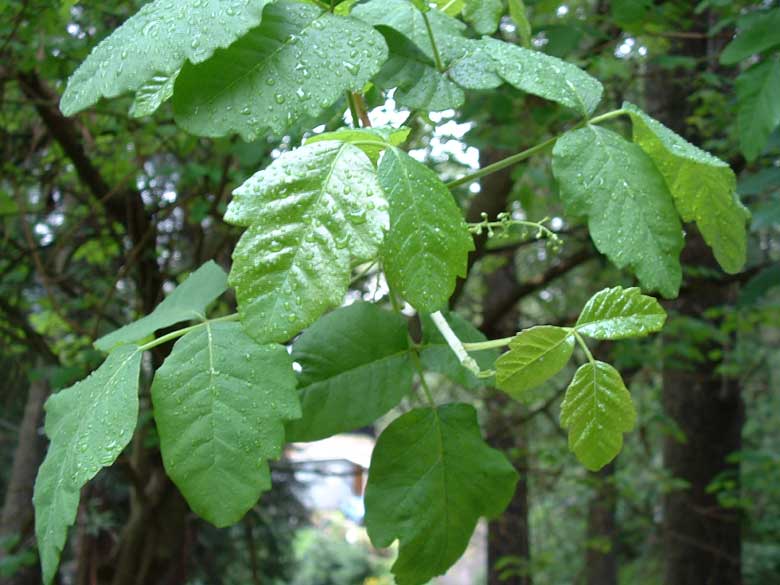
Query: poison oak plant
{"x": 227, "y": 398}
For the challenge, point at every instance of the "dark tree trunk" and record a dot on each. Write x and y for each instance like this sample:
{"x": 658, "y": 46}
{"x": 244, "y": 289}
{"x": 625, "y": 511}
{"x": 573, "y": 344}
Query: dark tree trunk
{"x": 600, "y": 559}
{"x": 702, "y": 540}
{"x": 18, "y": 517}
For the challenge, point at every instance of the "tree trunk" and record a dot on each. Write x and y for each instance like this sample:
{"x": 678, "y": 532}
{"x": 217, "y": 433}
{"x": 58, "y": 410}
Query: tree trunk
{"x": 702, "y": 540}
{"x": 600, "y": 558}
{"x": 18, "y": 516}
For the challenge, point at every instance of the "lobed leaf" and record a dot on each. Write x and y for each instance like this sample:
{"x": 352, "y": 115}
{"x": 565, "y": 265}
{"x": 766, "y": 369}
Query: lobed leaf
{"x": 311, "y": 214}
{"x": 355, "y": 367}
{"x": 597, "y": 410}
{"x": 428, "y": 243}
{"x": 758, "y": 106}
{"x": 703, "y": 186}
{"x": 298, "y": 62}
{"x": 188, "y": 301}
{"x": 156, "y": 42}
{"x": 220, "y": 402}
{"x": 618, "y": 313}
{"x": 534, "y": 356}
{"x": 88, "y": 424}
{"x": 432, "y": 476}
{"x": 631, "y": 214}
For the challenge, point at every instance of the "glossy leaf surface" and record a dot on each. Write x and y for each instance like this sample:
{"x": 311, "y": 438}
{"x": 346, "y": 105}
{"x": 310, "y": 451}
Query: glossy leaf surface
{"x": 618, "y": 313}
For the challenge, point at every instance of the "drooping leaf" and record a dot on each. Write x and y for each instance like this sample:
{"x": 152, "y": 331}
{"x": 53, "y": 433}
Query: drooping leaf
{"x": 311, "y": 214}
{"x": 372, "y": 141}
{"x": 157, "y": 41}
{"x": 88, "y": 424}
{"x": 298, "y": 62}
{"x": 631, "y": 214}
{"x": 530, "y": 71}
{"x": 188, "y": 301}
{"x": 428, "y": 243}
{"x": 483, "y": 15}
{"x": 519, "y": 14}
{"x": 355, "y": 367}
{"x": 437, "y": 356}
{"x": 432, "y": 476}
{"x": 618, "y": 313}
{"x": 703, "y": 186}
{"x": 534, "y": 356}
{"x": 220, "y": 402}
{"x": 420, "y": 85}
{"x": 759, "y": 36}
{"x": 152, "y": 95}
{"x": 597, "y": 410}
{"x": 758, "y": 106}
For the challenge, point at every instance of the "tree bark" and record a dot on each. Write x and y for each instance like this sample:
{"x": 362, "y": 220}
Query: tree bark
{"x": 601, "y": 566}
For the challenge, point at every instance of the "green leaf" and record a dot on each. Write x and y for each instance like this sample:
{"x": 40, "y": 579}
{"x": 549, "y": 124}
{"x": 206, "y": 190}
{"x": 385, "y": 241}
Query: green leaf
{"x": 88, "y": 424}
{"x": 597, "y": 410}
{"x": 758, "y": 106}
{"x": 152, "y": 95}
{"x": 432, "y": 476}
{"x": 535, "y": 355}
{"x": 631, "y": 214}
{"x": 157, "y": 41}
{"x": 355, "y": 367}
{"x": 220, "y": 402}
{"x": 618, "y": 313}
{"x": 372, "y": 141}
{"x": 437, "y": 356}
{"x": 428, "y": 243}
{"x": 450, "y": 7}
{"x": 420, "y": 85}
{"x": 519, "y": 14}
{"x": 298, "y": 62}
{"x": 483, "y": 15}
{"x": 530, "y": 71}
{"x": 187, "y": 302}
{"x": 311, "y": 214}
{"x": 703, "y": 186}
{"x": 758, "y": 37}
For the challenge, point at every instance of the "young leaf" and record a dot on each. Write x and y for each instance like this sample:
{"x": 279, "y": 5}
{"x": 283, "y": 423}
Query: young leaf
{"x": 758, "y": 37}
{"x": 310, "y": 214}
{"x": 597, "y": 410}
{"x": 88, "y": 424}
{"x": 152, "y": 95}
{"x": 372, "y": 141}
{"x": 298, "y": 62}
{"x": 432, "y": 476}
{"x": 220, "y": 402}
{"x": 530, "y": 71}
{"x": 437, "y": 356}
{"x": 758, "y": 103}
{"x": 704, "y": 188}
{"x": 428, "y": 243}
{"x": 618, "y": 313}
{"x": 187, "y": 302}
{"x": 355, "y": 367}
{"x": 420, "y": 85}
{"x": 157, "y": 41}
{"x": 534, "y": 356}
{"x": 631, "y": 214}
{"x": 483, "y": 15}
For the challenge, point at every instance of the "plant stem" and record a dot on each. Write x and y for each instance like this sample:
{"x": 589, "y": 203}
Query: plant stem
{"x": 584, "y": 346}
{"x": 180, "y": 332}
{"x": 521, "y": 156}
{"x": 456, "y": 345}
{"x": 436, "y": 56}
{"x": 489, "y": 344}
{"x": 353, "y": 109}
{"x": 423, "y": 383}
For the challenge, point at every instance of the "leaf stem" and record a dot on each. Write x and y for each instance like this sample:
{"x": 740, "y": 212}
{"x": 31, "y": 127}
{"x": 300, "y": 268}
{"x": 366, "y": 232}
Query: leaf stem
{"x": 489, "y": 344}
{"x": 584, "y": 346}
{"x": 521, "y": 156}
{"x": 423, "y": 383}
{"x": 353, "y": 109}
{"x": 456, "y": 345}
{"x": 180, "y": 332}
{"x": 436, "y": 56}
